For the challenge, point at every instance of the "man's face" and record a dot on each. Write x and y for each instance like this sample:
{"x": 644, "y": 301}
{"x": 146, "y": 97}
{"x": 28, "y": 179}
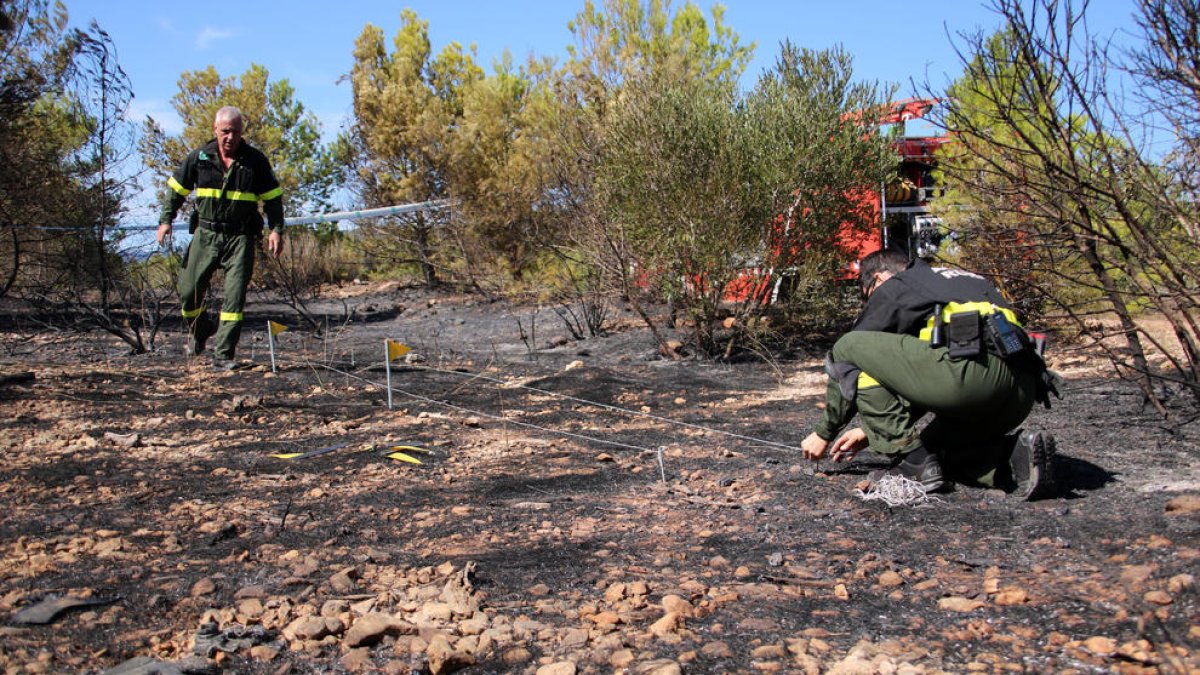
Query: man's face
{"x": 869, "y": 285}
{"x": 229, "y": 135}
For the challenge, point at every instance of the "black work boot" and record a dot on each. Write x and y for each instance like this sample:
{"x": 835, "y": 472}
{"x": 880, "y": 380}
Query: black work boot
{"x": 923, "y": 466}
{"x": 198, "y": 335}
{"x": 225, "y": 364}
{"x": 195, "y": 345}
{"x": 1032, "y": 464}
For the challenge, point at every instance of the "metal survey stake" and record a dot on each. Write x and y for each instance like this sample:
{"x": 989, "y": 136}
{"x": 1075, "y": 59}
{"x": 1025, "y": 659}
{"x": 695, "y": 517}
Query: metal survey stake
{"x": 387, "y": 363}
{"x": 271, "y": 341}
{"x": 392, "y": 350}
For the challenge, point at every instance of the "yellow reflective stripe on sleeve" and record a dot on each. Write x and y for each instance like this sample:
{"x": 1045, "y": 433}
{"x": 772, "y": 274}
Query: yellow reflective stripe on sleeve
{"x": 193, "y": 313}
{"x": 865, "y": 381}
{"x": 271, "y": 194}
{"x": 232, "y": 195}
{"x": 984, "y": 308}
{"x": 179, "y": 189}
{"x": 231, "y": 316}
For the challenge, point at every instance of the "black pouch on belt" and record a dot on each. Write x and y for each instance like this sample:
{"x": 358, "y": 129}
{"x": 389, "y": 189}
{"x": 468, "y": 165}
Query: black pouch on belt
{"x": 964, "y": 335}
{"x": 193, "y": 221}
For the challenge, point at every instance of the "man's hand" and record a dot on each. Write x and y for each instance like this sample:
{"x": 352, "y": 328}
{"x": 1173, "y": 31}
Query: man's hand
{"x": 814, "y": 447}
{"x": 274, "y": 243}
{"x": 164, "y": 231}
{"x": 849, "y": 444}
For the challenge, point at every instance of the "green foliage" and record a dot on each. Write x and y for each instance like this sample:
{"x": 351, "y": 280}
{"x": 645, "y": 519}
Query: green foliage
{"x": 632, "y": 39}
{"x": 818, "y": 161}
{"x": 63, "y": 141}
{"x": 496, "y": 171}
{"x": 692, "y": 176}
{"x": 36, "y": 58}
{"x": 407, "y": 106}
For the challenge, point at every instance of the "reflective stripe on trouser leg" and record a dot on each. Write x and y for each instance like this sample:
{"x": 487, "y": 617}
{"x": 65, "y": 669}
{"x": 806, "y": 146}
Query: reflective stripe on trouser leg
{"x": 237, "y": 257}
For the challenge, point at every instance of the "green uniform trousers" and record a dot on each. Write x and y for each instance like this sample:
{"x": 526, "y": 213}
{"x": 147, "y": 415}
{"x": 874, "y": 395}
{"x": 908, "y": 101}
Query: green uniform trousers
{"x": 209, "y": 250}
{"x": 974, "y": 402}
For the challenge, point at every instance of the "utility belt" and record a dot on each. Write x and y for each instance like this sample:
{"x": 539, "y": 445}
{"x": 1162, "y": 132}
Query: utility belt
{"x": 970, "y": 329}
{"x": 228, "y": 228}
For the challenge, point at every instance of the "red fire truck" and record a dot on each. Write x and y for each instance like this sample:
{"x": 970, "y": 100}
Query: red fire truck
{"x": 901, "y": 207}
{"x": 905, "y": 220}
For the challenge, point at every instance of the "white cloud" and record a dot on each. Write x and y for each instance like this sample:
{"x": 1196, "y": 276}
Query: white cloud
{"x": 210, "y": 35}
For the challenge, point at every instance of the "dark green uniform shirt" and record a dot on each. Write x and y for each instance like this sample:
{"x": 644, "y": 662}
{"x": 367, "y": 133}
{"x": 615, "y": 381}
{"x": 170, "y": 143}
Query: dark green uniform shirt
{"x": 227, "y": 197}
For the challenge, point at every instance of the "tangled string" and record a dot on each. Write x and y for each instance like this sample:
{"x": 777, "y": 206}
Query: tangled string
{"x": 895, "y": 490}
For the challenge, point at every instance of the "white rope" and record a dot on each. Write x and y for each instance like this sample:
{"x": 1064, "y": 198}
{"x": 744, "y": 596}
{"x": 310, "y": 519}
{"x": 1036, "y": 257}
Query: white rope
{"x": 896, "y": 490}
{"x": 566, "y": 397}
{"x": 598, "y": 404}
{"x": 481, "y": 413}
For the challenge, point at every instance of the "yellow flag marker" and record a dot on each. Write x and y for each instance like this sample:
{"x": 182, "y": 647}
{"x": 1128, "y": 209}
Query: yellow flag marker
{"x": 392, "y": 350}
{"x": 395, "y": 350}
{"x": 404, "y": 458}
{"x": 274, "y": 328}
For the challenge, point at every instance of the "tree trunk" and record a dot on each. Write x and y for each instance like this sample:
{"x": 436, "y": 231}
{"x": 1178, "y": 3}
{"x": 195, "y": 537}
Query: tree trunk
{"x": 425, "y": 252}
{"x": 1128, "y": 328}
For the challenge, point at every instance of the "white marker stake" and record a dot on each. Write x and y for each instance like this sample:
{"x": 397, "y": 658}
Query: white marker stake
{"x": 391, "y": 350}
{"x": 387, "y": 362}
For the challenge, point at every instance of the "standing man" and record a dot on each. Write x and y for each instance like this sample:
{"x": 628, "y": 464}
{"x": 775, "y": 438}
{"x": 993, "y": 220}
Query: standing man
{"x": 946, "y": 342}
{"x": 230, "y": 177}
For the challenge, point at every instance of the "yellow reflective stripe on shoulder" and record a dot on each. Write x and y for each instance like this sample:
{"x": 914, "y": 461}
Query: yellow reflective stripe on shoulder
{"x": 193, "y": 313}
{"x": 271, "y": 194}
{"x": 233, "y": 195}
{"x": 984, "y": 308}
{"x": 865, "y": 381}
{"x": 231, "y": 316}
{"x": 179, "y": 189}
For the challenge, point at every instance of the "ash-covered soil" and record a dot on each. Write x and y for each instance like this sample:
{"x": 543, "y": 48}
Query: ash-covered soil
{"x": 580, "y": 506}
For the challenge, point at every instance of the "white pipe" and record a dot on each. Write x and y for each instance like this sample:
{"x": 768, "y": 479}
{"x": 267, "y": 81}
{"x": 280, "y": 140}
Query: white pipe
{"x": 368, "y": 213}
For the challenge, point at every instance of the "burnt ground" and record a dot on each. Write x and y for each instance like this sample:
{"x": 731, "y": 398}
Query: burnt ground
{"x": 582, "y": 506}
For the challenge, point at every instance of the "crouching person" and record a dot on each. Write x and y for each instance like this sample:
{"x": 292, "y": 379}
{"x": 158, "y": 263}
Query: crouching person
{"x": 945, "y": 343}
